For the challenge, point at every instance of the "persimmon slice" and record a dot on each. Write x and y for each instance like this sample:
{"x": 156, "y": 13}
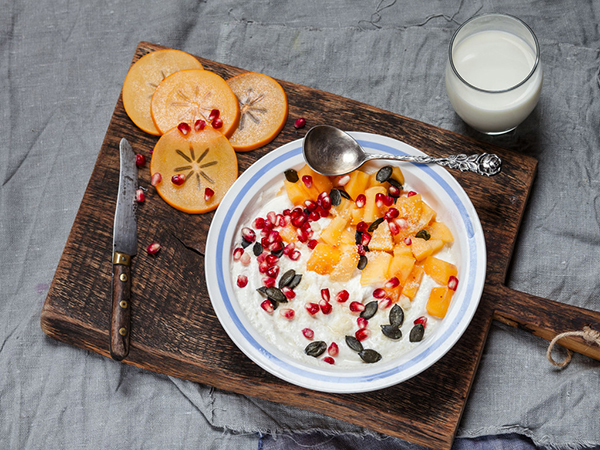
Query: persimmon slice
{"x": 143, "y": 78}
{"x": 205, "y": 159}
{"x": 191, "y": 95}
{"x": 263, "y": 110}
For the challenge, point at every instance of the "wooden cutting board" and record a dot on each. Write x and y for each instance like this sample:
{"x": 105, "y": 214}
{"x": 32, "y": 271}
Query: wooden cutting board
{"x": 175, "y": 330}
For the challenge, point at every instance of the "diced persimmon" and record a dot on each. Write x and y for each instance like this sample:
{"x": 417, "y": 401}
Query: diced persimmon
{"x": 439, "y": 301}
{"x": 381, "y": 239}
{"x": 204, "y": 158}
{"x": 427, "y": 215}
{"x": 357, "y": 215}
{"x": 191, "y": 95}
{"x": 439, "y": 270}
{"x": 143, "y": 77}
{"x": 348, "y": 237}
{"x": 295, "y": 192}
{"x": 397, "y": 175}
{"x": 357, "y": 184}
{"x": 320, "y": 183}
{"x": 421, "y": 248}
{"x": 410, "y": 208}
{"x": 371, "y": 211}
{"x": 439, "y": 230}
{"x": 264, "y": 110}
{"x": 323, "y": 259}
{"x": 331, "y": 234}
{"x": 288, "y": 233}
{"x": 344, "y": 270}
{"x": 376, "y": 269}
{"x": 400, "y": 267}
{"x": 402, "y": 249}
{"x": 343, "y": 209}
{"x": 413, "y": 282}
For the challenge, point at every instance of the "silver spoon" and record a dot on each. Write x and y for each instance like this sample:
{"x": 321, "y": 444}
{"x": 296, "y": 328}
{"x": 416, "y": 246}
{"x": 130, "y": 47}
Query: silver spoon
{"x": 332, "y": 152}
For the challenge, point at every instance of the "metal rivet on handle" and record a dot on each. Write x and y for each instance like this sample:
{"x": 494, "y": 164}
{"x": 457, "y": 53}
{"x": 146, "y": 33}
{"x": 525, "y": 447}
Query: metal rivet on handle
{"x": 123, "y": 304}
{"x": 123, "y": 277}
{"x": 123, "y": 331}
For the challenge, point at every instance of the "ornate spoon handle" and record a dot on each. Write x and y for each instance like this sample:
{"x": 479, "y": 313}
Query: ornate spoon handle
{"x": 484, "y": 164}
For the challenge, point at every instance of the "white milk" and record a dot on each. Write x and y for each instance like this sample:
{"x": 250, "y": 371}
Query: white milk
{"x": 493, "y": 60}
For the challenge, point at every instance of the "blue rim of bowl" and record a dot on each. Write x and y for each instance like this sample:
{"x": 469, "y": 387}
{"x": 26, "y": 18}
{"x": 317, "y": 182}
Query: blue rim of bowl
{"x": 297, "y": 371}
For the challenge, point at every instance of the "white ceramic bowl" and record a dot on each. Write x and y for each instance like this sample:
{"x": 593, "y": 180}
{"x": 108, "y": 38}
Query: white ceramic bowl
{"x": 438, "y": 188}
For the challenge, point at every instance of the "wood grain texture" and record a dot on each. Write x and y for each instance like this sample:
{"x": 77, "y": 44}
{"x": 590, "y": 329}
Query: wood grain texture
{"x": 120, "y": 322}
{"x": 176, "y": 332}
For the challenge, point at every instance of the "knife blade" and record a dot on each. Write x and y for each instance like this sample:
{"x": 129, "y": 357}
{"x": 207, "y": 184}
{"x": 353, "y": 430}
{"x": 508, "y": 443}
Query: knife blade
{"x": 124, "y": 248}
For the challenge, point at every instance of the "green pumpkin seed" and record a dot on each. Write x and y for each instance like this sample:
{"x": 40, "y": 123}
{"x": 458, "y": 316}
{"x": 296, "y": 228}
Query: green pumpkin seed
{"x": 370, "y": 310}
{"x": 315, "y": 349}
{"x": 369, "y": 356}
{"x": 423, "y": 234}
{"x": 291, "y": 175}
{"x": 286, "y": 278}
{"x": 391, "y": 331}
{"x": 374, "y": 225}
{"x": 336, "y": 197}
{"x": 345, "y": 194}
{"x": 384, "y": 174}
{"x": 257, "y": 248}
{"x": 396, "y": 316}
{"x": 354, "y": 344}
{"x": 417, "y": 332}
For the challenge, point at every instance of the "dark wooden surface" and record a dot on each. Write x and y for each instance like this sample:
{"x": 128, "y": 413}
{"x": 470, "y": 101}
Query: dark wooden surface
{"x": 175, "y": 330}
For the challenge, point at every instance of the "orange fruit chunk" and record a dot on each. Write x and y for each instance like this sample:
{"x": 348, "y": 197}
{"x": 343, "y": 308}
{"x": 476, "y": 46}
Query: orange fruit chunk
{"x": 263, "y": 110}
{"x": 439, "y": 300}
{"x": 204, "y": 158}
{"x": 143, "y": 78}
{"x": 191, "y": 95}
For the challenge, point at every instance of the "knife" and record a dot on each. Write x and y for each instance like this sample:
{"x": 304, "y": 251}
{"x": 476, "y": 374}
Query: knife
{"x": 124, "y": 248}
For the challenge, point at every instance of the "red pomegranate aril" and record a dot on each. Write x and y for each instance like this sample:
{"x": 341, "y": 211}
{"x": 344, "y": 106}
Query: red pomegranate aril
{"x": 324, "y": 201}
{"x": 286, "y": 221}
{"x": 391, "y": 213}
{"x": 214, "y": 114}
{"x": 140, "y": 160}
{"x": 276, "y": 246}
{"x": 242, "y": 281}
{"x": 408, "y": 241}
{"x": 267, "y": 306}
{"x": 379, "y": 293}
{"x": 140, "y": 197}
{"x": 379, "y": 199}
{"x": 365, "y": 239}
{"x": 452, "y": 283}
{"x": 392, "y": 283}
{"x": 258, "y": 223}
{"x": 184, "y": 128}
{"x": 287, "y": 212}
{"x": 264, "y": 241}
{"x": 299, "y": 122}
{"x": 310, "y": 205}
{"x": 296, "y": 212}
{"x": 302, "y": 235}
{"x": 156, "y": 179}
{"x": 394, "y": 191}
{"x": 329, "y": 360}
{"x": 357, "y": 307}
{"x": 199, "y": 125}
{"x": 274, "y": 236}
{"x": 298, "y": 221}
{"x": 288, "y": 249}
{"x": 411, "y": 193}
{"x": 362, "y": 322}
{"x": 325, "y": 295}
{"x": 269, "y": 281}
{"x": 362, "y": 334}
{"x": 273, "y": 271}
{"x": 312, "y": 244}
{"x": 312, "y": 308}
{"x": 342, "y": 296}
{"x": 343, "y": 180}
{"x": 261, "y": 258}
{"x": 208, "y": 194}
{"x": 325, "y": 307}
{"x": 237, "y": 253}
{"x": 361, "y": 200}
{"x": 308, "y": 333}
{"x": 385, "y": 302}
{"x": 421, "y": 321}
{"x": 272, "y": 217}
{"x": 280, "y": 220}
{"x": 288, "y": 292}
{"x": 248, "y": 234}
{"x": 387, "y": 200}
{"x": 307, "y": 180}
{"x": 295, "y": 255}
{"x": 178, "y": 179}
{"x": 394, "y": 229}
{"x": 287, "y": 313}
{"x": 314, "y": 216}
{"x": 362, "y": 251}
{"x": 217, "y": 123}
{"x": 363, "y": 227}
{"x": 245, "y": 259}
{"x": 153, "y": 248}
{"x": 333, "y": 349}
{"x": 271, "y": 259}
{"x": 262, "y": 267}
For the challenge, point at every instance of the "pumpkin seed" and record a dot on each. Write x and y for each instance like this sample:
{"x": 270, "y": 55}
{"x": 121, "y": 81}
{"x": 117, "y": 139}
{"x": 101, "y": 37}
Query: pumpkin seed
{"x": 262, "y": 291}
{"x": 291, "y": 175}
{"x": 295, "y": 281}
{"x": 369, "y": 356}
{"x": 315, "y": 349}
{"x": 257, "y": 248}
{"x": 358, "y": 237}
{"x": 395, "y": 183}
{"x": 370, "y": 310}
{"x": 391, "y": 331}
{"x": 277, "y": 253}
{"x": 417, "y": 332}
{"x": 362, "y": 262}
{"x": 396, "y": 316}
{"x": 374, "y": 225}
{"x": 423, "y": 234}
{"x": 384, "y": 174}
{"x": 274, "y": 293}
{"x": 345, "y": 194}
{"x": 287, "y": 278}
{"x": 354, "y": 344}
{"x": 336, "y": 197}
{"x": 245, "y": 243}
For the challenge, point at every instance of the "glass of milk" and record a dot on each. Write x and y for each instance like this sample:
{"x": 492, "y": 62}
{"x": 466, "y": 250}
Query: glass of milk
{"x": 494, "y": 75}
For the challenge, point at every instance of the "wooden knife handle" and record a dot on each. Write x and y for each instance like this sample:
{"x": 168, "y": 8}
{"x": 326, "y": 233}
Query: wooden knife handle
{"x": 120, "y": 322}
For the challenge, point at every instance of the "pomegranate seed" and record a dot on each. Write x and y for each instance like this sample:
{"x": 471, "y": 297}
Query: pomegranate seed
{"x": 295, "y": 255}
{"x": 217, "y": 123}
{"x": 361, "y": 199}
{"x": 153, "y": 248}
{"x": 298, "y": 221}
{"x": 361, "y": 250}
{"x": 365, "y": 239}
{"x": 286, "y": 220}
{"x": 391, "y": 213}
{"x": 363, "y": 227}
{"x": 310, "y": 205}
{"x": 307, "y": 180}
{"x": 288, "y": 313}
{"x": 264, "y": 241}
{"x": 271, "y": 260}
{"x": 329, "y": 360}
{"x": 322, "y": 211}
{"x": 325, "y": 307}
{"x": 276, "y": 246}
{"x": 302, "y": 235}
{"x": 208, "y": 194}
{"x": 394, "y": 228}
{"x": 379, "y": 199}
{"x": 274, "y": 237}
{"x": 273, "y": 271}
{"x": 362, "y": 334}
{"x": 379, "y": 293}
{"x": 272, "y": 217}
{"x": 184, "y": 128}
{"x": 392, "y": 283}
{"x": 267, "y": 306}
{"x": 362, "y": 322}
{"x": 156, "y": 179}
{"x": 342, "y": 296}
{"x": 199, "y": 125}
{"x": 452, "y": 283}
{"x": 245, "y": 259}
{"x": 408, "y": 241}
{"x": 325, "y": 294}
{"x": 308, "y": 333}
{"x": 296, "y": 212}
{"x": 288, "y": 292}
{"x": 333, "y": 349}
{"x": 259, "y": 223}
{"x": 343, "y": 181}
{"x": 314, "y": 216}
{"x": 411, "y": 193}
{"x": 288, "y": 249}
{"x": 178, "y": 179}
{"x": 140, "y": 197}
{"x": 387, "y": 200}
{"x": 214, "y": 114}
{"x": 261, "y": 258}
{"x": 421, "y": 320}
{"x": 263, "y": 267}
{"x": 312, "y": 308}
{"x": 242, "y": 281}
{"x": 312, "y": 243}
{"x": 324, "y": 201}
{"x": 402, "y": 223}
{"x": 140, "y": 160}
{"x": 287, "y": 212}
{"x": 280, "y": 220}
{"x": 269, "y": 281}
{"x": 237, "y": 253}
{"x": 300, "y": 122}
{"x": 385, "y": 302}
{"x": 248, "y": 234}
{"x": 357, "y": 307}
{"x": 394, "y": 191}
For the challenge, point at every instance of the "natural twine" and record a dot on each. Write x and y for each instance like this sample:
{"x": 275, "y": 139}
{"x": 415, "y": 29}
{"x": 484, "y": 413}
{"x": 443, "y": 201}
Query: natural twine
{"x": 589, "y": 335}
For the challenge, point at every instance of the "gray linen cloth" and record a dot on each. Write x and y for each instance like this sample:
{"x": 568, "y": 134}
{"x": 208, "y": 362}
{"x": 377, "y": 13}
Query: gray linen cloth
{"x": 62, "y": 66}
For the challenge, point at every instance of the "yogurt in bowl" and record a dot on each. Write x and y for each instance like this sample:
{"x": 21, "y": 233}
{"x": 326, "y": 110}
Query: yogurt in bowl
{"x": 287, "y": 346}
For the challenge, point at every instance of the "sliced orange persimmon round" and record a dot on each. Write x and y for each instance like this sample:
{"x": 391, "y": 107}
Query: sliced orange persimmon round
{"x": 191, "y": 95}
{"x": 263, "y": 110}
{"x": 143, "y": 78}
{"x": 196, "y": 167}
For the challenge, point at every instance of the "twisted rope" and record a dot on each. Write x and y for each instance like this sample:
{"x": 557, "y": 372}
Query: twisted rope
{"x": 589, "y": 335}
